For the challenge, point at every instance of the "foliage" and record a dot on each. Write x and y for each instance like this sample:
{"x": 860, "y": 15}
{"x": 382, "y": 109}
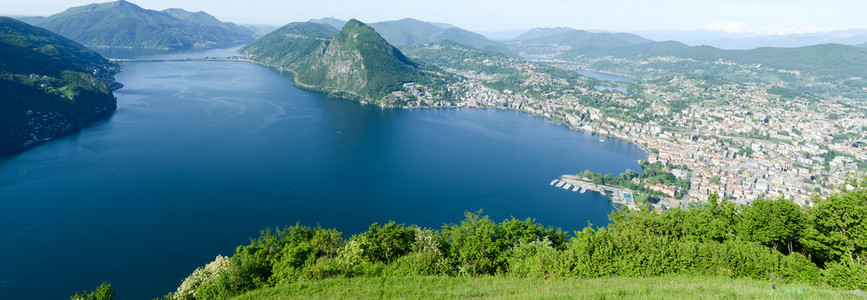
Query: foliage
{"x": 202, "y": 278}
{"x": 103, "y": 292}
{"x": 654, "y": 173}
{"x": 355, "y": 63}
{"x": 768, "y": 241}
{"x": 51, "y": 86}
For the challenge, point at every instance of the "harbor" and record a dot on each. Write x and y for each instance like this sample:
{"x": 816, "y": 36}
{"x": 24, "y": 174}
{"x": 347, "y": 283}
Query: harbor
{"x": 577, "y": 184}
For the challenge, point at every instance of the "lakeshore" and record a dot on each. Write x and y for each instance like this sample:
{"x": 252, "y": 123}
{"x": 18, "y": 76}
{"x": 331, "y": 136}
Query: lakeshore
{"x": 204, "y": 154}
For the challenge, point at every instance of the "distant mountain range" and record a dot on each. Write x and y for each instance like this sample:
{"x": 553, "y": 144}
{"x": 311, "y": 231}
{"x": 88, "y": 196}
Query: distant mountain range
{"x": 411, "y": 32}
{"x": 581, "y": 39}
{"x": 354, "y": 63}
{"x": 536, "y": 33}
{"x": 125, "y": 25}
{"x": 745, "y": 41}
{"x": 50, "y": 86}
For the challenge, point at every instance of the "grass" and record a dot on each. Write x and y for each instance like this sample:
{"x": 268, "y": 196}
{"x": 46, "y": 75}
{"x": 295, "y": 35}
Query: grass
{"x": 670, "y": 287}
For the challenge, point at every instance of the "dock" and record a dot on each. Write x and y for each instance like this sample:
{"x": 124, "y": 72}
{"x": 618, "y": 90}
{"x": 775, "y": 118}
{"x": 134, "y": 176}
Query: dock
{"x": 578, "y": 184}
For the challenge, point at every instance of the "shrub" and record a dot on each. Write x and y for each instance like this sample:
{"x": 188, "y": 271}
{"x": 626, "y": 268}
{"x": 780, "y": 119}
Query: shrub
{"x": 842, "y": 275}
{"x": 206, "y": 275}
{"x": 103, "y": 292}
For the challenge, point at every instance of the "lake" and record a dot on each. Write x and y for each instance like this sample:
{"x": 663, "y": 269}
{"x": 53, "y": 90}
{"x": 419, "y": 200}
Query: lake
{"x": 201, "y": 155}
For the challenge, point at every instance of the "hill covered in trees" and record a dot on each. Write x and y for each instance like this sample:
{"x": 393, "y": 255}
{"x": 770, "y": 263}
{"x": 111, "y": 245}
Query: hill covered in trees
{"x": 124, "y": 24}
{"x": 51, "y": 86}
{"x": 354, "y": 63}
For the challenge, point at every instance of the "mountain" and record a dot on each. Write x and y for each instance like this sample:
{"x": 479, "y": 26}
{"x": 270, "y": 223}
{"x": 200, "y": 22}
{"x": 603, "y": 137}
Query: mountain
{"x": 124, "y": 24}
{"x": 336, "y": 23}
{"x": 209, "y": 25}
{"x": 354, "y": 63}
{"x": 581, "y": 39}
{"x": 536, "y": 33}
{"x": 292, "y": 46}
{"x": 835, "y": 60}
{"x": 746, "y": 41}
{"x": 50, "y": 86}
{"x": 840, "y": 61}
{"x": 411, "y": 32}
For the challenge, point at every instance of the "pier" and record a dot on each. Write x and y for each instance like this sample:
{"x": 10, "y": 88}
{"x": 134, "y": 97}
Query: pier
{"x": 576, "y": 183}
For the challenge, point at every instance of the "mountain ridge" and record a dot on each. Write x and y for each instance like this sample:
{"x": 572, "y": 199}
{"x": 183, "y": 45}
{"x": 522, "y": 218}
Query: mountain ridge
{"x": 122, "y": 24}
{"x": 51, "y": 86}
{"x": 356, "y": 62}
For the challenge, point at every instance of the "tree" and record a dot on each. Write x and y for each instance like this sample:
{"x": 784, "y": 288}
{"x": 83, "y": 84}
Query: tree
{"x": 476, "y": 244}
{"x": 387, "y": 243}
{"x": 773, "y": 223}
{"x": 103, "y": 292}
{"x": 840, "y": 224}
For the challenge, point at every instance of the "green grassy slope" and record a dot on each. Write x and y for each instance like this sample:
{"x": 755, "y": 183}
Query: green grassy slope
{"x": 434, "y": 287}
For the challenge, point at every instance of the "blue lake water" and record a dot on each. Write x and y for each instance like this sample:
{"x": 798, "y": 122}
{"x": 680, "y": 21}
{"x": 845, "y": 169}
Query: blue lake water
{"x": 202, "y": 155}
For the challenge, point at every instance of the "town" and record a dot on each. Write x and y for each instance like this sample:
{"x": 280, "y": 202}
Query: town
{"x": 739, "y": 140}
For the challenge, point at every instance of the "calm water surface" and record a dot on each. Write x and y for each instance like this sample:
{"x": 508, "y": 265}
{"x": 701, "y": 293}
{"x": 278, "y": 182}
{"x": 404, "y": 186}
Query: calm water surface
{"x": 201, "y": 155}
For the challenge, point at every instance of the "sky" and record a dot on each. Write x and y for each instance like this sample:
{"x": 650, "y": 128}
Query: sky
{"x": 734, "y": 16}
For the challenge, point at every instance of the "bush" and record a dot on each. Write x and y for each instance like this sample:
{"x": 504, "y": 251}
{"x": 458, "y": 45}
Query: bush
{"x": 207, "y": 275}
{"x": 842, "y": 275}
{"x": 426, "y": 258}
{"x": 103, "y": 292}
{"x": 537, "y": 259}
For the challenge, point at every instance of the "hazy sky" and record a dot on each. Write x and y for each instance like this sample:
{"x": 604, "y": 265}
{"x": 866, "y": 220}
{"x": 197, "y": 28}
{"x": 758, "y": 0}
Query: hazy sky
{"x": 762, "y": 16}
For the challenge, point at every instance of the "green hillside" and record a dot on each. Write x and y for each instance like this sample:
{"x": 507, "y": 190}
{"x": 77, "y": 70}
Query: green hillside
{"x": 408, "y": 32}
{"x": 536, "y": 33}
{"x": 290, "y": 46}
{"x": 360, "y": 62}
{"x": 354, "y": 63}
{"x": 207, "y": 25}
{"x": 50, "y": 86}
{"x": 840, "y": 61}
{"x": 577, "y": 39}
{"x": 771, "y": 248}
{"x": 124, "y": 24}
{"x": 333, "y": 22}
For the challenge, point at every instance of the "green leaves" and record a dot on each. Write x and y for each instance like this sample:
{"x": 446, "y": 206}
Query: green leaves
{"x": 103, "y": 292}
{"x": 841, "y": 224}
{"x": 716, "y": 239}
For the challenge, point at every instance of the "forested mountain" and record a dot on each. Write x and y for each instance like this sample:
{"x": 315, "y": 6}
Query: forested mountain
{"x": 124, "y": 24}
{"x": 355, "y": 63}
{"x": 411, "y": 32}
{"x": 577, "y": 39}
{"x": 50, "y": 86}
{"x": 536, "y": 33}
{"x": 336, "y": 23}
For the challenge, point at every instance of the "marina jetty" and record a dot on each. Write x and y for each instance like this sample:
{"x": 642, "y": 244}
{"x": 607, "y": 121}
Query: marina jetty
{"x": 617, "y": 195}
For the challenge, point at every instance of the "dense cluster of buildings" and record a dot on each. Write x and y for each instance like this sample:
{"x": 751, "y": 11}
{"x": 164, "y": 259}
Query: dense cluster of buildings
{"x": 735, "y": 139}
